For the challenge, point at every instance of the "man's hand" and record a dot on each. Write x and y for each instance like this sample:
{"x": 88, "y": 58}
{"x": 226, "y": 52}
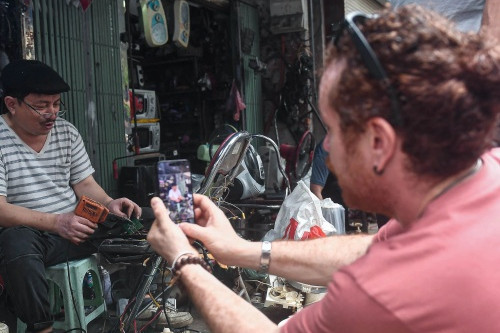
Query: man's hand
{"x": 166, "y": 238}
{"x": 214, "y": 230}
{"x": 124, "y": 207}
{"x": 74, "y": 228}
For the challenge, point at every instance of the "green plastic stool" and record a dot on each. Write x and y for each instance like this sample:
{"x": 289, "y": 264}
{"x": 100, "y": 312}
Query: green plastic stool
{"x": 59, "y": 285}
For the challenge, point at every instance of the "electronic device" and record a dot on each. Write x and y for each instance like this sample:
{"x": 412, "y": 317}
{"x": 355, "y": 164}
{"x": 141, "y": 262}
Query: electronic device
{"x": 143, "y": 103}
{"x": 224, "y": 165}
{"x": 138, "y": 183}
{"x": 154, "y": 22}
{"x": 271, "y": 160}
{"x": 182, "y": 23}
{"x": 250, "y": 180}
{"x": 175, "y": 189}
{"x": 91, "y": 210}
{"x": 148, "y": 137}
{"x": 139, "y": 75}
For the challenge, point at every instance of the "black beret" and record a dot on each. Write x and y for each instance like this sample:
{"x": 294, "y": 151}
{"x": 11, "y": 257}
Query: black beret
{"x": 31, "y": 76}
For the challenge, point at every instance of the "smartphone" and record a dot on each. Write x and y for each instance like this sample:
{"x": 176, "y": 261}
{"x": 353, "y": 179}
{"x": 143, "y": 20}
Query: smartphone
{"x": 176, "y": 190}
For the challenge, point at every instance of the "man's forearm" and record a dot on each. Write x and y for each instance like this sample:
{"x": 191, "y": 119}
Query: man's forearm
{"x": 318, "y": 257}
{"x": 90, "y": 188}
{"x": 13, "y": 215}
{"x": 317, "y": 189}
{"x": 218, "y": 304}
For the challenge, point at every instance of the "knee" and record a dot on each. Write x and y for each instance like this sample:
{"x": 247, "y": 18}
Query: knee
{"x": 20, "y": 241}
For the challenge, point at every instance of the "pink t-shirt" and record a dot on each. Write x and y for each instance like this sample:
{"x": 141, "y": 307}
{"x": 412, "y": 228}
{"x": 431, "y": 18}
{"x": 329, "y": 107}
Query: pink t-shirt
{"x": 440, "y": 274}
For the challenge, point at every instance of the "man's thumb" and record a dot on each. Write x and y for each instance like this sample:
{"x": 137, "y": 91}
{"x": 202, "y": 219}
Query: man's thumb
{"x": 192, "y": 230}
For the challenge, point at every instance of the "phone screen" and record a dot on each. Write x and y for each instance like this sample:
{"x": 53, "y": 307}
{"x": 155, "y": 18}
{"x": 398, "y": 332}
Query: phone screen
{"x": 175, "y": 189}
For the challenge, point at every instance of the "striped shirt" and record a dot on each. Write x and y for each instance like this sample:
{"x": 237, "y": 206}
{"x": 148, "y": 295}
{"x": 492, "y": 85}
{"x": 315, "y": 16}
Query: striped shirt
{"x": 42, "y": 181}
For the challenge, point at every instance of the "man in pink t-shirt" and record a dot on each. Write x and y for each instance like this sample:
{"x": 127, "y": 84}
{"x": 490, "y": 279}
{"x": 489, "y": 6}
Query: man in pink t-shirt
{"x": 436, "y": 275}
{"x": 411, "y": 107}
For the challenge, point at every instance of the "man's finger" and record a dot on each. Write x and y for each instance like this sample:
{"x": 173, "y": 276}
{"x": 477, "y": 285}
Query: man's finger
{"x": 159, "y": 209}
{"x": 192, "y": 231}
{"x": 203, "y": 202}
{"x": 138, "y": 211}
{"x": 130, "y": 210}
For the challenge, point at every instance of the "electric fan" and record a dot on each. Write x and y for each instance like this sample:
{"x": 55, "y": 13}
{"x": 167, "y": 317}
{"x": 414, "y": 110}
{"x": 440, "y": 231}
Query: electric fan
{"x": 182, "y": 23}
{"x": 250, "y": 180}
{"x": 154, "y": 22}
{"x": 224, "y": 165}
{"x": 298, "y": 158}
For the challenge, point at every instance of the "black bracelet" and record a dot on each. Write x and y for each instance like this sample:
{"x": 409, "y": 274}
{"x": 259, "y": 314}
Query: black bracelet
{"x": 187, "y": 260}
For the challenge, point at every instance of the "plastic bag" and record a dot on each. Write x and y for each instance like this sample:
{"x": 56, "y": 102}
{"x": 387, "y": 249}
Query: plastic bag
{"x": 300, "y": 217}
{"x": 335, "y": 214}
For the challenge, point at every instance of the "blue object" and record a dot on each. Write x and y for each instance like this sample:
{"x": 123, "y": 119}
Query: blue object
{"x": 319, "y": 172}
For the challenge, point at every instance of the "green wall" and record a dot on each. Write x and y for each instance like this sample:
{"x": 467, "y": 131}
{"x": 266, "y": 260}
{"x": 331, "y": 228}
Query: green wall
{"x": 84, "y": 48}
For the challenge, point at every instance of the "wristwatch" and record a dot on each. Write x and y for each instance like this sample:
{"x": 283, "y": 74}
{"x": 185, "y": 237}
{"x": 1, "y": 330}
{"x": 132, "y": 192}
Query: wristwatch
{"x": 265, "y": 257}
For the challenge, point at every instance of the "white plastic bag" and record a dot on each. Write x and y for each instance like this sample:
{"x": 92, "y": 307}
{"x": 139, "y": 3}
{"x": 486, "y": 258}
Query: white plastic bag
{"x": 300, "y": 217}
{"x": 335, "y": 214}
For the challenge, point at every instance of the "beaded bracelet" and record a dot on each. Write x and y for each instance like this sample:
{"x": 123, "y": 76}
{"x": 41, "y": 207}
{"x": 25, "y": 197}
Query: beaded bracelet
{"x": 182, "y": 254}
{"x": 189, "y": 259}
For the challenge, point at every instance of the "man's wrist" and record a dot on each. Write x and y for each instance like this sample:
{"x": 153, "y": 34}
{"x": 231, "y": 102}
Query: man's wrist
{"x": 108, "y": 202}
{"x": 265, "y": 257}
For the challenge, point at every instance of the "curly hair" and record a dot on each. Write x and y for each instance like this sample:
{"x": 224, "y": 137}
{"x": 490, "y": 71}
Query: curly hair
{"x": 447, "y": 83}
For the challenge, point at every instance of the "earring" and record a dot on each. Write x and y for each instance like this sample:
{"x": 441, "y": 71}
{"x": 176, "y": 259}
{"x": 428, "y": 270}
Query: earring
{"x": 377, "y": 171}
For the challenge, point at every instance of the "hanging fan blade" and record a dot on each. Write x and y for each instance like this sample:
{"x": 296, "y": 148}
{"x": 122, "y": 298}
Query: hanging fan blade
{"x": 304, "y": 154}
{"x": 299, "y": 158}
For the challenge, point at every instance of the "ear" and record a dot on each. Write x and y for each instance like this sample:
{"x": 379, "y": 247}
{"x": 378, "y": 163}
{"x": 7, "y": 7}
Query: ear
{"x": 383, "y": 141}
{"x": 10, "y": 102}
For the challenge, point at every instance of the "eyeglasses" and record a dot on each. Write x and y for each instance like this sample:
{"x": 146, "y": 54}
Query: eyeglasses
{"x": 370, "y": 59}
{"x": 45, "y": 113}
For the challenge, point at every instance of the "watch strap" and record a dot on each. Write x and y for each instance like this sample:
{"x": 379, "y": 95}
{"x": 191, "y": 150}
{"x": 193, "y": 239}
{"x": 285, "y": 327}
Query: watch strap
{"x": 265, "y": 257}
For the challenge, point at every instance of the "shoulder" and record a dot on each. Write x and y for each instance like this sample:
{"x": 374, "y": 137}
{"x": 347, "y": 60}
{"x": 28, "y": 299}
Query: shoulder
{"x": 64, "y": 127}
{"x": 4, "y": 128}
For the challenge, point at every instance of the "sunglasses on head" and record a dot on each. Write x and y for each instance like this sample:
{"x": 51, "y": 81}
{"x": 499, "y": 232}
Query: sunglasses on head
{"x": 369, "y": 58}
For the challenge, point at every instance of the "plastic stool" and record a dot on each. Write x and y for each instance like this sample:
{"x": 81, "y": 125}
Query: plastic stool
{"x": 57, "y": 277}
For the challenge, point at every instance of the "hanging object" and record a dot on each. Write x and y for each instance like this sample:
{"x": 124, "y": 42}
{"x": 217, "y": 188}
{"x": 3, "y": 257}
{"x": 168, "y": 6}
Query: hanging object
{"x": 299, "y": 158}
{"x": 181, "y": 23}
{"x": 234, "y": 103}
{"x": 154, "y": 22}
{"x": 83, "y": 3}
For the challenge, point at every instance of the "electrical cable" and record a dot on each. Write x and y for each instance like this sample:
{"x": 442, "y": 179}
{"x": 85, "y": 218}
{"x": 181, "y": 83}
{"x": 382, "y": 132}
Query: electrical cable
{"x": 164, "y": 298}
{"x": 71, "y": 290}
{"x": 75, "y": 329}
{"x": 200, "y": 246}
